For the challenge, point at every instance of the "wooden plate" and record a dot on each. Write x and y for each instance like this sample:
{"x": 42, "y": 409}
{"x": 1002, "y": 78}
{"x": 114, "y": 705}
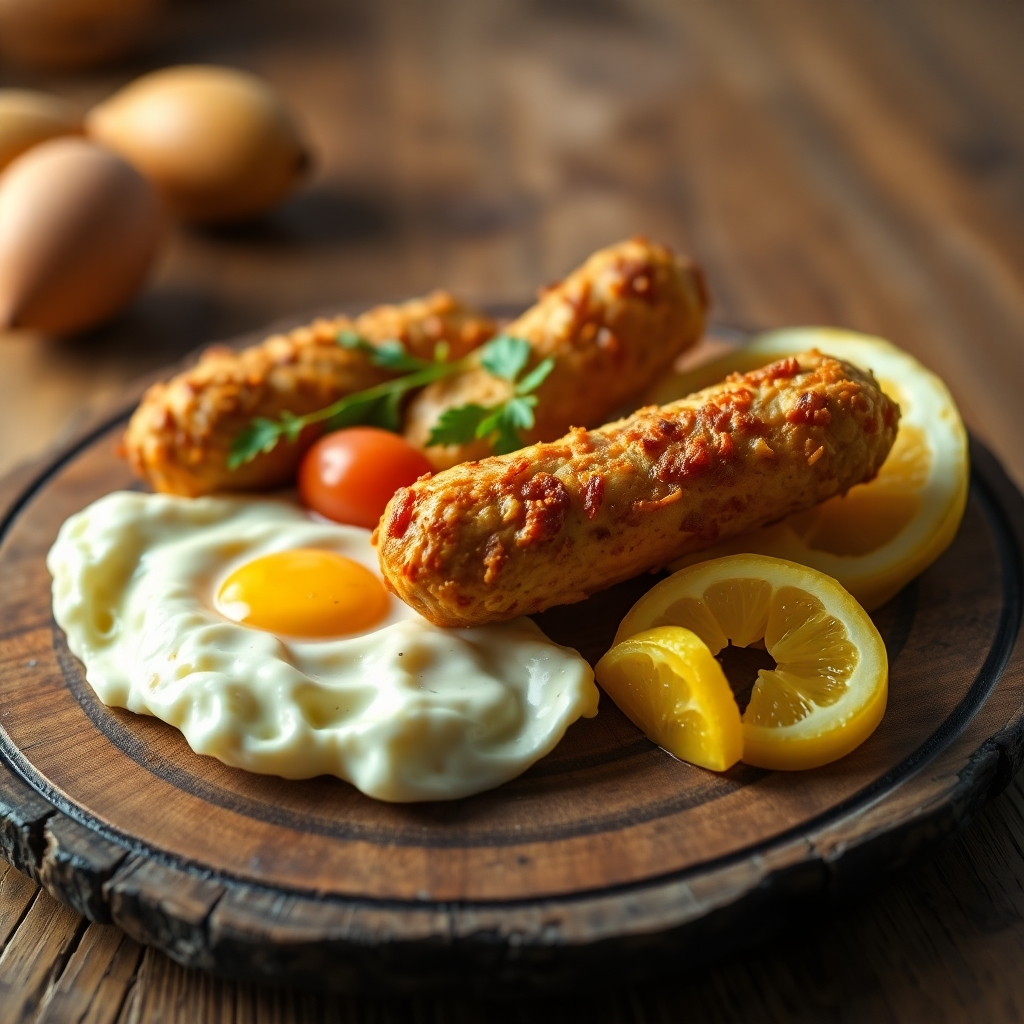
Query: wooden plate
{"x": 608, "y": 858}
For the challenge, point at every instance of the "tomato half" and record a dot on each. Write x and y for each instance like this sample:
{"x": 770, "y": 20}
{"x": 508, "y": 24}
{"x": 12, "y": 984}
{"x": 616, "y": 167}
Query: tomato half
{"x": 349, "y": 476}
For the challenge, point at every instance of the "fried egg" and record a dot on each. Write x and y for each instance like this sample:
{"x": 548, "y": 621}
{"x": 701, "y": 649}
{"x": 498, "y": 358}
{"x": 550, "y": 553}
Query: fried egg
{"x": 268, "y": 639}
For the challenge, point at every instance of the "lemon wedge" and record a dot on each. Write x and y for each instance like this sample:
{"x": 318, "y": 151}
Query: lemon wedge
{"x": 881, "y": 534}
{"x": 828, "y": 690}
{"x": 668, "y": 684}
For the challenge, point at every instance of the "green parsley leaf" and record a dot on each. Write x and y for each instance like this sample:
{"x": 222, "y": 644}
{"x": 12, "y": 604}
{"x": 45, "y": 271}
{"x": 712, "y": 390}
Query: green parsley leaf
{"x": 501, "y": 424}
{"x": 490, "y": 423}
{"x": 519, "y": 412}
{"x": 260, "y": 436}
{"x": 535, "y": 377}
{"x": 516, "y": 415}
{"x": 380, "y": 406}
{"x": 457, "y": 425}
{"x": 505, "y": 356}
{"x": 389, "y": 354}
{"x": 352, "y": 410}
{"x": 505, "y": 421}
{"x": 290, "y": 425}
{"x": 388, "y": 413}
{"x": 350, "y": 339}
{"x": 375, "y": 410}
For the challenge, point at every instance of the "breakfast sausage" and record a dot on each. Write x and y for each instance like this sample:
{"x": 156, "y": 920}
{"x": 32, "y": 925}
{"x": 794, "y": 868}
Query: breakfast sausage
{"x": 551, "y": 524}
{"x": 179, "y": 437}
{"x": 611, "y": 327}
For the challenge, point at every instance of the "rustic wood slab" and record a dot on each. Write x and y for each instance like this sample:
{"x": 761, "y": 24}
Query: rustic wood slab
{"x": 608, "y": 852}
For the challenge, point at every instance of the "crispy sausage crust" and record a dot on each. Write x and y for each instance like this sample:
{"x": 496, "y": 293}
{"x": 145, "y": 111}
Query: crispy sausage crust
{"x": 553, "y": 523}
{"x": 612, "y": 326}
{"x": 179, "y": 437}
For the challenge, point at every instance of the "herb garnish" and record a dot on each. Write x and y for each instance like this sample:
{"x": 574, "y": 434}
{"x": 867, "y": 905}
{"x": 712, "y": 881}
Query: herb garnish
{"x": 380, "y": 406}
{"x": 504, "y": 357}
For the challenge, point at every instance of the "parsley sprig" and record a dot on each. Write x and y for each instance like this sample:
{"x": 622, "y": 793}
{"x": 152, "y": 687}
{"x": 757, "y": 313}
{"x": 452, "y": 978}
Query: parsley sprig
{"x": 505, "y": 357}
{"x": 380, "y": 406}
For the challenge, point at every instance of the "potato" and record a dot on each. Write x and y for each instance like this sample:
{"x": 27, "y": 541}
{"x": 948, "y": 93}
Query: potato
{"x": 218, "y": 143}
{"x": 78, "y": 230}
{"x": 71, "y": 33}
{"x": 28, "y": 118}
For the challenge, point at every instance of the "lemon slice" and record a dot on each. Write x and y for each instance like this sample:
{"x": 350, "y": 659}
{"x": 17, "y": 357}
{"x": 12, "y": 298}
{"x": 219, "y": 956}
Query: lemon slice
{"x": 828, "y": 690}
{"x": 668, "y": 684}
{"x": 882, "y": 534}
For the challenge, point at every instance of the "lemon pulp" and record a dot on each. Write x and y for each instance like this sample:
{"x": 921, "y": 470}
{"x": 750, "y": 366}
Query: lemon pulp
{"x": 828, "y": 690}
{"x": 668, "y": 684}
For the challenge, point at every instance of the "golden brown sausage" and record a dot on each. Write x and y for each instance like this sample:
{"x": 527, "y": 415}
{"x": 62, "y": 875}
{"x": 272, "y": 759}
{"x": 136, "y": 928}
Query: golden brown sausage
{"x": 552, "y": 524}
{"x": 179, "y": 437}
{"x": 612, "y": 327}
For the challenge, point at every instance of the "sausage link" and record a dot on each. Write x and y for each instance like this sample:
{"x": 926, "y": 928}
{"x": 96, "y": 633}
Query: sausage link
{"x": 179, "y": 437}
{"x": 612, "y": 327}
{"x": 551, "y": 524}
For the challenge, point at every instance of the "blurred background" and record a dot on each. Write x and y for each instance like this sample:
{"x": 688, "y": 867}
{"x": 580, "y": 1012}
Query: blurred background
{"x": 855, "y": 163}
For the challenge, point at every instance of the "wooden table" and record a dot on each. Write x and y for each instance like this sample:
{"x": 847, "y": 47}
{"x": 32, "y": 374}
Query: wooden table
{"x": 846, "y": 163}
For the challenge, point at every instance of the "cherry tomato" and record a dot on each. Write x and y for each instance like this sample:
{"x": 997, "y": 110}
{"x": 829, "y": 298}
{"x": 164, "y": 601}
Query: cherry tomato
{"x": 350, "y": 475}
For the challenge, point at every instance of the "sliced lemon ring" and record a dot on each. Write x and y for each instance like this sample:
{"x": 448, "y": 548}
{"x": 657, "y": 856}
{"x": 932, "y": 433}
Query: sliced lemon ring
{"x": 884, "y": 533}
{"x": 828, "y": 691}
{"x": 668, "y": 684}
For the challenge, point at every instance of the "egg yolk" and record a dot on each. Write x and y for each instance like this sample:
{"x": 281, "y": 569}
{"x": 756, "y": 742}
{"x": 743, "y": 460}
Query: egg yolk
{"x": 304, "y": 593}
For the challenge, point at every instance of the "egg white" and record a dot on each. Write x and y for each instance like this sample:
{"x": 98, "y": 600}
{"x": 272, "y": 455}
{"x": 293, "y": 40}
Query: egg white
{"x": 405, "y": 712}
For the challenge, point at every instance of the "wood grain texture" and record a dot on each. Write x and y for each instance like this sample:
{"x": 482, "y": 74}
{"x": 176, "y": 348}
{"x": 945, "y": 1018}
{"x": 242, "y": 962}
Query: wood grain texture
{"x": 851, "y": 163}
{"x": 16, "y": 893}
{"x": 35, "y": 956}
{"x": 98, "y": 976}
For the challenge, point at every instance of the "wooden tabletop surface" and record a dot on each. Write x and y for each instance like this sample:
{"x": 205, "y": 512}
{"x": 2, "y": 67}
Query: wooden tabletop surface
{"x": 852, "y": 163}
